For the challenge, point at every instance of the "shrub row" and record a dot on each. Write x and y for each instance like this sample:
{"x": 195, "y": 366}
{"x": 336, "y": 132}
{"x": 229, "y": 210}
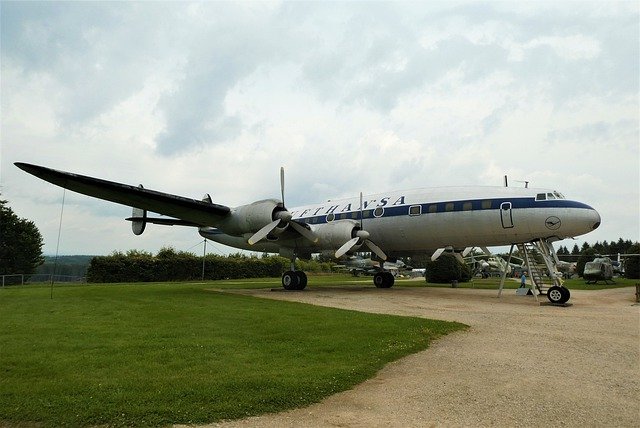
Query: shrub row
{"x": 169, "y": 265}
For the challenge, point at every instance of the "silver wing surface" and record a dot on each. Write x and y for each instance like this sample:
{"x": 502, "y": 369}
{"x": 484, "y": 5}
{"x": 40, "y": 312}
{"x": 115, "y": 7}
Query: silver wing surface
{"x": 192, "y": 211}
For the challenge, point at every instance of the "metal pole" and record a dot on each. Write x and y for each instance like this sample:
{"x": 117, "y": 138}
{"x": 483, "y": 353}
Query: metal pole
{"x": 204, "y": 254}
{"x": 504, "y": 272}
{"x": 55, "y": 263}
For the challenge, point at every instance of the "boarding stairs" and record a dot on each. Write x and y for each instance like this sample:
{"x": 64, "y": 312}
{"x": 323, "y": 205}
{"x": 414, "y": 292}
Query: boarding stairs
{"x": 541, "y": 260}
{"x": 541, "y": 263}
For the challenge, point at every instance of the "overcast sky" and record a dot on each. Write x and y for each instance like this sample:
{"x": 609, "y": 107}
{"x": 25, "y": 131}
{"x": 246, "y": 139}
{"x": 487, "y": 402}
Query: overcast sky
{"x": 195, "y": 98}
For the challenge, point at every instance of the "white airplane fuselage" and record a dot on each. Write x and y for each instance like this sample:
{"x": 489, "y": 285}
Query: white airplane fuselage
{"x": 422, "y": 220}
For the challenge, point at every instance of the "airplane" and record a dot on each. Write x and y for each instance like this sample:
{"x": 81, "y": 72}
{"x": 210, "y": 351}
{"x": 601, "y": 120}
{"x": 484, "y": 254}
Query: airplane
{"x": 488, "y": 265}
{"x": 357, "y": 265}
{"x": 390, "y": 224}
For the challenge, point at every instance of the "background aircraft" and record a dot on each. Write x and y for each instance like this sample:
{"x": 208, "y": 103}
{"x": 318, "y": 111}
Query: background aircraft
{"x": 359, "y": 265}
{"x": 390, "y": 224}
{"x": 600, "y": 269}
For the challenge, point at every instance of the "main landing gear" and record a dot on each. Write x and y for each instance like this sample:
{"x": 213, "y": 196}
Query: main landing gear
{"x": 297, "y": 280}
{"x": 294, "y": 280}
{"x": 383, "y": 279}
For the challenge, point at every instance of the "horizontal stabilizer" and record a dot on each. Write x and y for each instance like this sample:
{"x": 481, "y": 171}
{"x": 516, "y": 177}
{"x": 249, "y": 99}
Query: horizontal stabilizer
{"x": 165, "y": 221}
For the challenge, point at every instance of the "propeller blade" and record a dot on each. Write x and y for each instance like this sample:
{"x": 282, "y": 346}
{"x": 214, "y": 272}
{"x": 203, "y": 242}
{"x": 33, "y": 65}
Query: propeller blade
{"x": 361, "y": 211}
{"x": 304, "y": 232}
{"x": 282, "y": 184}
{"x": 437, "y": 254}
{"x": 466, "y": 251}
{"x": 262, "y": 233}
{"x": 459, "y": 257}
{"x": 373, "y": 247}
{"x": 346, "y": 247}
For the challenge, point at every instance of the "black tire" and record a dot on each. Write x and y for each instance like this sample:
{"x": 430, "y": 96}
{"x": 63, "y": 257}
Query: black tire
{"x": 566, "y": 294}
{"x": 556, "y": 295}
{"x": 383, "y": 280}
{"x": 302, "y": 278}
{"x": 290, "y": 280}
{"x": 378, "y": 280}
{"x": 390, "y": 279}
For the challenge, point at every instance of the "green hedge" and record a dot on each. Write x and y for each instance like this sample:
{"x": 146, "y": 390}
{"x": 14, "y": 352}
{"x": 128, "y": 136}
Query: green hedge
{"x": 169, "y": 265}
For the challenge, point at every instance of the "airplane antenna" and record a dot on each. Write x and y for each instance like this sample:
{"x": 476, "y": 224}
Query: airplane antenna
{"x": 506, "y": 182}
{"x": 526, "y": 183}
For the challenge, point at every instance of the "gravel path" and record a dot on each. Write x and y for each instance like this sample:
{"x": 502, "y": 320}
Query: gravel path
{"x": 520, "y": 364}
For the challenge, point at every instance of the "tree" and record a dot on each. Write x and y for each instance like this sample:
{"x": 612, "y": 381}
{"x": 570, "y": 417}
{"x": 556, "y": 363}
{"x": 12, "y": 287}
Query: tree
{"x": 20, "y": 243}
{"x": 586, "y": 256}
{"x": 632, "y": 265}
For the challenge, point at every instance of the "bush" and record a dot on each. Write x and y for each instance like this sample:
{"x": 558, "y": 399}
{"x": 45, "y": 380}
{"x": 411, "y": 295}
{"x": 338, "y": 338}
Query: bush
{"x": 169, "y": 265}
{"x": 445, "y": 269}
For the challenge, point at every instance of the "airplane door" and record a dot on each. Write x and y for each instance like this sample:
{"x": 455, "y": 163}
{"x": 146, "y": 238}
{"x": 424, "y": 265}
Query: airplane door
{"x": 505, "y": 215}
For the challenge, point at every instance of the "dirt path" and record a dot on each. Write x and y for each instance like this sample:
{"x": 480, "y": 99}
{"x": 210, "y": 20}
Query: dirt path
{"x": 519, "y": 364}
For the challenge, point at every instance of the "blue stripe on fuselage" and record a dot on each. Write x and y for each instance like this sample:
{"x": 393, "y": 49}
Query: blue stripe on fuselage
{"x": 458, "y": 206}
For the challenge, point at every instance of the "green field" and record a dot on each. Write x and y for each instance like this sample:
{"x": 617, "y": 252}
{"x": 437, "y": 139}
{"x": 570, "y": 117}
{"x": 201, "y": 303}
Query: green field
{"x": 157, "y": 354}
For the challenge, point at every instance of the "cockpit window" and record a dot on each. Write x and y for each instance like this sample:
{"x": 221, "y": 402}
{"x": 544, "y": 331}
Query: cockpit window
{"x": 550, "y": 195}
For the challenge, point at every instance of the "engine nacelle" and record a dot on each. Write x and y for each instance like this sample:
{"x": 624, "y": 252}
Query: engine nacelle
{"x": 250, "y": 218}
{"x": 334, "y": 234}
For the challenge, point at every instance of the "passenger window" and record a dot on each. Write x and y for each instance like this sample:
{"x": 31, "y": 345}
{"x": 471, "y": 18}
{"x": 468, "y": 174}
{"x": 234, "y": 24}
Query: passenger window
{"x": 378, "y": 212}
{"x": 331, "y": 217}
{"x": 486, "y": 205}
{"x": 467, "y": 206}
{"x": 415, "y": 210}
{"x": 433, "y": 208}
{"x": 448, "y": 206}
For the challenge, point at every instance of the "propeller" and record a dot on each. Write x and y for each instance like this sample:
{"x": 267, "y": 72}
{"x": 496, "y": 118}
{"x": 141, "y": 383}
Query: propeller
{"x": 361, "y": 237}
{"x": 283, "y": 216}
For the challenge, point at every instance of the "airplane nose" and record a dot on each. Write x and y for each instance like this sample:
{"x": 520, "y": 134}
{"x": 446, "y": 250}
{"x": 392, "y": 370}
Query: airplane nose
{"x": 596, "y": 219}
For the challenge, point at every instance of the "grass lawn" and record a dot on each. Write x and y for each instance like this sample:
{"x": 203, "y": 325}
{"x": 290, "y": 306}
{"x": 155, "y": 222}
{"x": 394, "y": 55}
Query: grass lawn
{"x": 157, "y": 354}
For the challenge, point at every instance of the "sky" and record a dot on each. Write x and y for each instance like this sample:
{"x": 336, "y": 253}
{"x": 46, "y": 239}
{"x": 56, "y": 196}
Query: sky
{"x": 214, "y": 97}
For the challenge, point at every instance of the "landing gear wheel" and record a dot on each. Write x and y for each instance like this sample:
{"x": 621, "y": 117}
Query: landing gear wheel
{"x": 558, "y": 295}
{"x": 302, "y": 278}
{"x": 290, "y": 280}
{"x": 383, "y": 280}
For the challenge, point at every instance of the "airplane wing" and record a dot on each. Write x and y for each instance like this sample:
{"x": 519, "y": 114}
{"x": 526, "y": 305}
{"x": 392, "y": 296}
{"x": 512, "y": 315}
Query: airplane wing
{"x": 189, "y": 210}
